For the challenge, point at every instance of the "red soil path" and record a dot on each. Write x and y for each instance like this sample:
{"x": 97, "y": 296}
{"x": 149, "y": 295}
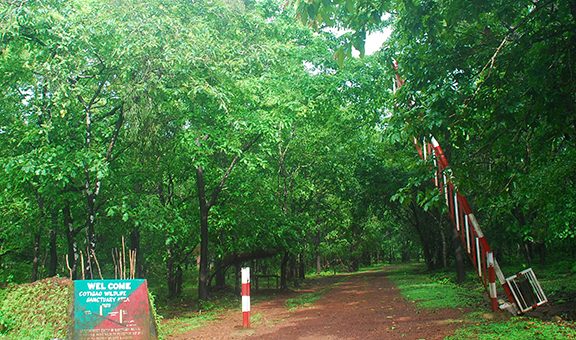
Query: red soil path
{"x": 361, "y": 306}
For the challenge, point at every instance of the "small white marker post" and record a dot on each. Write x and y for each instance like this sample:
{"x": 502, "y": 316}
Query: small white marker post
{"x": 245, "y": 297}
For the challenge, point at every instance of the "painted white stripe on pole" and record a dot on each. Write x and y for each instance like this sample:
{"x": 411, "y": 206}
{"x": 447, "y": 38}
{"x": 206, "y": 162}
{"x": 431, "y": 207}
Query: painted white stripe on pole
{"x": 478, "y": 259}
{"x": 424, "y": 148}
{"x": 246, "y": 303}
{"x": 492, "y": 286}
{"x": 435, "y": 167}
{"x": 490, "y": 264}
{"x": 456, "y": 213}
{"x": 499, "y": 273}
{"x": 245, "y": 297}
{"x": 467, "y": 233}
{"x": 245, "y": 275}
{"x": 445, "y": 189}
{"x": 475, "y": 225}
{"x": 434, "y": 142}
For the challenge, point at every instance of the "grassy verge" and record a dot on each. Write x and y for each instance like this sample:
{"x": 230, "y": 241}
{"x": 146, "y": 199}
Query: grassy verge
{"x": 435, "y": 290}
{"x": 306, "y": 299}
{"x": 319, "y": 284}
{"x": 438, "y": 290}
{"x": 514, "y": 328}
{"x": 182, "y": 317}
{"x": 185, "y": 322}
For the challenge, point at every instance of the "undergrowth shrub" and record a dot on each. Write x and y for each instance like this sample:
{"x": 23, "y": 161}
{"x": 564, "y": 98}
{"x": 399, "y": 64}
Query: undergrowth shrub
{"x": 38, "y": 310}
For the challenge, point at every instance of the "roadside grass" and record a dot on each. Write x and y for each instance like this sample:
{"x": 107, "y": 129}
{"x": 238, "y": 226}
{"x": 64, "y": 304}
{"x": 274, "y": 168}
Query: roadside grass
{"x": 320, "y": 284}
{"x": 515, "y": 328}
{"x": 182, "y": 317}
{"x": 435, "y": 290}
{"x": 372, "y": 267}
{"x": 438, "y": 290}
{"x": 185, "y": 322}
{"x": 256, "y": 318}
{"x": 306, "y": 299}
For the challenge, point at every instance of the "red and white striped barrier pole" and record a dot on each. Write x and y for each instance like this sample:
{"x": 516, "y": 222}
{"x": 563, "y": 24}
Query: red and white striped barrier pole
{"x": 245, "y": 297}
{"x": 492, "y": 281}
{"x": 471, "y": 235}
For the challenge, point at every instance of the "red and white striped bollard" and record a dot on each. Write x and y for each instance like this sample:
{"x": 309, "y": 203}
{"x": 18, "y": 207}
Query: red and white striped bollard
{"x": 245, "y": 297}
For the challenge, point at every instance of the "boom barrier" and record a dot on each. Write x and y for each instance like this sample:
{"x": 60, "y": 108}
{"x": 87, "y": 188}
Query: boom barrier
{"x": 522, "y": 291}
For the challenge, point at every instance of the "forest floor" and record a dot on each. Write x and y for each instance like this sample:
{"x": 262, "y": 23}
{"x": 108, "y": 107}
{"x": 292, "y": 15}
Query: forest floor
{"x": 363, "y": 305}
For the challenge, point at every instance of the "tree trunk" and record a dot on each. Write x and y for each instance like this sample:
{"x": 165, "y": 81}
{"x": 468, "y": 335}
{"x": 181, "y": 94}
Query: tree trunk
{"x": 527, "y": 248}
{"x": 205, "y": 206}
{"x": 170, "y": 273}
{"x": 90, "y": 234}
{"x": 179, "y": 280}
{"x": 71, "y": 240}
{"x": 53, "y": 263}
{"x": 459, "y": 257}
{"x": 37, "y": 239}
{"x": 404, "y": 256}
{"x": 174, "y": 274}
{"x": 302, "y": 268}
{"x": 204, "y": 210}
{"x": 35, "y": 256}
{"x": 444, "y": 245}
{"x": 424, "y": 238}
{"x": 366, "y": 259}
{"x": 291, "y": 268}
{"x": 354, "y": 265}
{"x": 541, "y": 246}
{"x": 284, "y": 272}
{"x": 404, "y": 253}
{"x": 318, "y": 257}
{"x": 458, "y": 252}
{"x": 220, "y": 274}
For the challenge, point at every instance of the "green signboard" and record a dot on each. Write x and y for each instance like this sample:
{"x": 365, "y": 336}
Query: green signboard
{"x": 112, "y": 309}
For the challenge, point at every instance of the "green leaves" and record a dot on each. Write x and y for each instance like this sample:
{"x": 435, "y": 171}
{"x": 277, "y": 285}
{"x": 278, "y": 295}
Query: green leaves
{"x": 356, "y": 17}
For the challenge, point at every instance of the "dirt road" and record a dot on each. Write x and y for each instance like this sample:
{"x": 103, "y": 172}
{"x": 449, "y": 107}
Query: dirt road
{"x": 361, "y": 306}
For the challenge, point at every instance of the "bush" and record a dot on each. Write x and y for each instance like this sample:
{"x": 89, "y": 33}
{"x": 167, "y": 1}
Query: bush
{"x": 38, "y": 310}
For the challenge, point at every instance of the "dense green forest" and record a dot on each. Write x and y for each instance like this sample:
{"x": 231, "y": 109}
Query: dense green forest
{"x": 213, "y": 134}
